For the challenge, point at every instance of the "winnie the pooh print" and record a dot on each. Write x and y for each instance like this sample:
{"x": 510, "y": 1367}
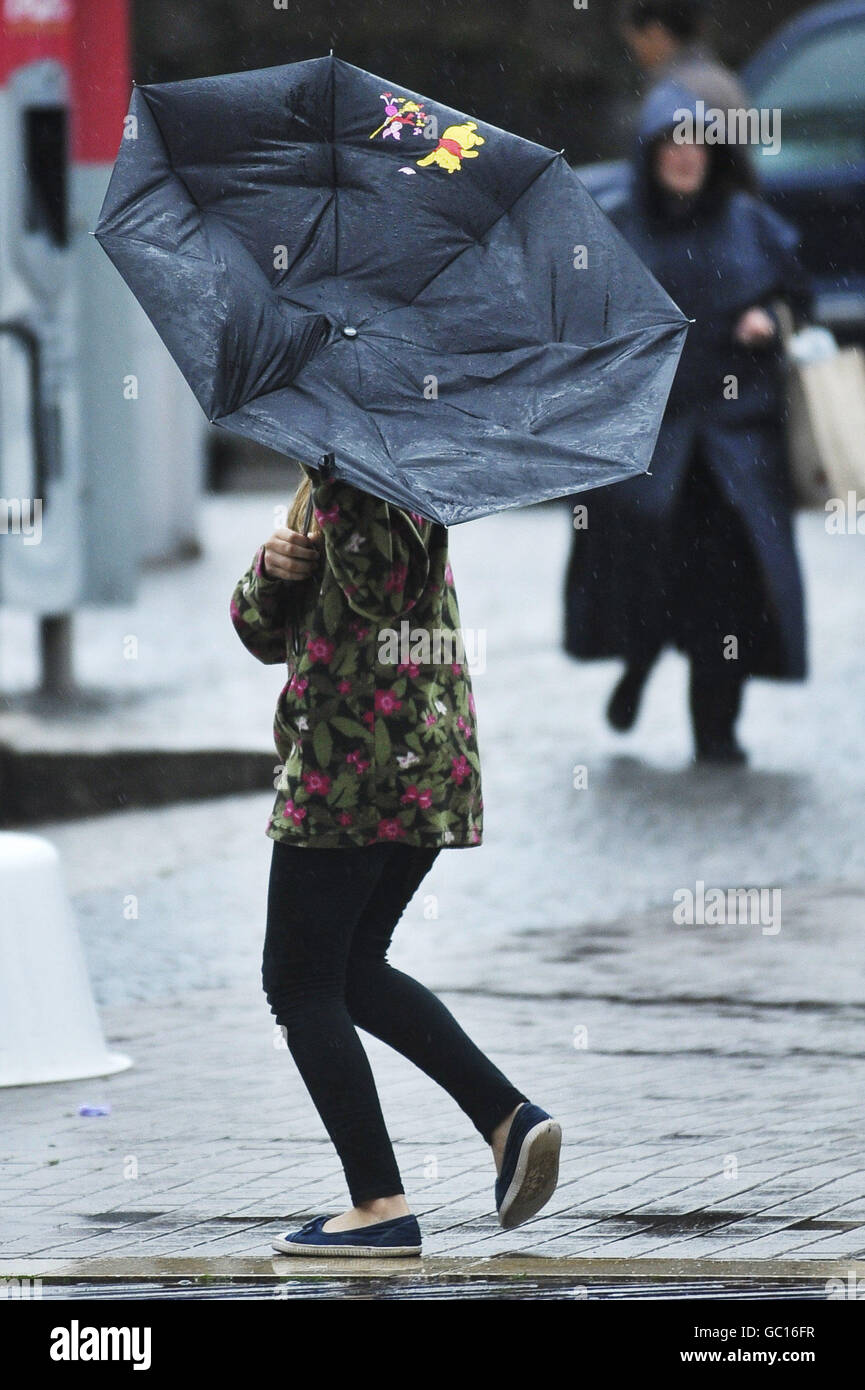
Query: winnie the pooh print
{"x": 456, "y": 144}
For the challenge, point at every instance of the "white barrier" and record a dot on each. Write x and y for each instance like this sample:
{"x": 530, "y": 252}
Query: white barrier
{"x": 49, "y": 1027}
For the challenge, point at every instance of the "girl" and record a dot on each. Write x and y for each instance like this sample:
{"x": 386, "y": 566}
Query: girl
{"x": 380, "y": 771}
{"x": 701, "y": 554}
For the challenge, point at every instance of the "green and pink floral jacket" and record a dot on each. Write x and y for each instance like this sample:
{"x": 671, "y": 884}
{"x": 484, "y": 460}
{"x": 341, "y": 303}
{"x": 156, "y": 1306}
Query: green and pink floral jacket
{"x": 375, "y": 727}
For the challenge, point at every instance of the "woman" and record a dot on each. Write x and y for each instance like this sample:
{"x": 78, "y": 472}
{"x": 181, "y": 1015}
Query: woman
{"x": 700, "y": 555}
{"x": 380, "y": 772}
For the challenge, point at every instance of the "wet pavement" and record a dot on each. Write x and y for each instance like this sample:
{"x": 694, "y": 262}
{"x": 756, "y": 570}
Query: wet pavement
{"x": 708, "y": 1077}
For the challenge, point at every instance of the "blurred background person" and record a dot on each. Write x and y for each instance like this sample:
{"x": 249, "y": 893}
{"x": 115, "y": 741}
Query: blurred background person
{"x": 666, "y": 39}
{"x": 701, "y": 555}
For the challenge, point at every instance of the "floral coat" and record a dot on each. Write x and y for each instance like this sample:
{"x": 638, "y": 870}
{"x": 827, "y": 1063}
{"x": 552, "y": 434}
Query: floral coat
{"x": 374, "y": 743}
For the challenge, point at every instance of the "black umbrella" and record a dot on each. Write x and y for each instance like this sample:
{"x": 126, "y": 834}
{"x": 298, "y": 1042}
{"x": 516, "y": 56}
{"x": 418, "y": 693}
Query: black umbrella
{"x": 340, "y": 265}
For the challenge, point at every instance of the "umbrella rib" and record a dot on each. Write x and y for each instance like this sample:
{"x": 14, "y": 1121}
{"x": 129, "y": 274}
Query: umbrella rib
{"x": 477, "y": 240}
{"x": 180, "y": 179}
{"x": 141, "y": 192}
{"x": 333, "y": 165}
{"x": 313, "y": 233}
{"x": 619, "y": 344}
{"x": 492, "y": 351}
{"x": 485, "y": 419}
{"x": 125, "y": 237}
{"x": 370, "y": 416}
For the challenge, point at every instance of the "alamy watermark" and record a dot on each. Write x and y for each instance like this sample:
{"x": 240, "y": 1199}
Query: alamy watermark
{"x": 21, "y": 1288}
{"x": 845, "y": 516}
{"x": 702, "y": 906}
{"x": 742, "y": 125}
{"x": 420, "y": 646}
{"x": 22, "y": 516}
{"x": 77, "y": 1343}
{"x": 853, "y": 1288}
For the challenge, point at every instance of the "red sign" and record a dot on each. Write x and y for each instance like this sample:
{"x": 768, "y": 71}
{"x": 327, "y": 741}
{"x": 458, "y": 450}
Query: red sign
{"x": 90, "y": 38}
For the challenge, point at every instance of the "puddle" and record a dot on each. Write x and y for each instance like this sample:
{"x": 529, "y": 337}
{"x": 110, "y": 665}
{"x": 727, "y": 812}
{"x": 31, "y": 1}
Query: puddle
{"x": 369, "y": 1289}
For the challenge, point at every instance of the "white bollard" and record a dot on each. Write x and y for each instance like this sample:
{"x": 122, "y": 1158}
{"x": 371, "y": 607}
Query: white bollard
{"x": 49, "y": 1027}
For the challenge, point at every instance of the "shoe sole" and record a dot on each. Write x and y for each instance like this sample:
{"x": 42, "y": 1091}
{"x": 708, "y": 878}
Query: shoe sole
{"x": 535, "y": 1176}
{"x": 288, "y": 1247}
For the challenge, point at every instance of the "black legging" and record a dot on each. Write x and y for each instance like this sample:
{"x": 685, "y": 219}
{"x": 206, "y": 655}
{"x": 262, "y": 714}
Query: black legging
{"x": 331, "y": 914}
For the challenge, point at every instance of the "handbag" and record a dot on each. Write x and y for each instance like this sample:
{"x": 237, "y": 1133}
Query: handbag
{"x": 825, "y": 415}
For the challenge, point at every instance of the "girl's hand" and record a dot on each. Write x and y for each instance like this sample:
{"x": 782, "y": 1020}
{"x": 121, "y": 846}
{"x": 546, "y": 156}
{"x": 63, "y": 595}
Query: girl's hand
{"x": 755, "y": 328}
{"x": 291, "y": 555}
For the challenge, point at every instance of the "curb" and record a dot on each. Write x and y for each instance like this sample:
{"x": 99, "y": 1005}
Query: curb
{"x": 67, "y": 785}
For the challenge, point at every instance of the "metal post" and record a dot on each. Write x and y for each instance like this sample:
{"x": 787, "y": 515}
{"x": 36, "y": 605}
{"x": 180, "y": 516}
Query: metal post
{"x": 55, "y": 643}
{"x": 55, "y": 632}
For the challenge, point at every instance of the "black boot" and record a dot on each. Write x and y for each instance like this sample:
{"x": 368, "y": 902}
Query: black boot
{"x": 624, "y": 703}
{"x": 715, "y": 699}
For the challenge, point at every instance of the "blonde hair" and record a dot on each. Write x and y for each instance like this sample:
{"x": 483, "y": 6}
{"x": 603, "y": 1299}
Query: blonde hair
{"x": 297, "y": 510}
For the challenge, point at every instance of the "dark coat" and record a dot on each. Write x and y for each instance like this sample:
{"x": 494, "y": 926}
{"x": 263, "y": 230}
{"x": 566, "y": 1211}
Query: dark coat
{"x": 627, "y": 584}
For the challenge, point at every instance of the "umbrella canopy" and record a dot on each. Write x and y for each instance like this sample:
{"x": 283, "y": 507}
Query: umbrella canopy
{"x": 338, "y": 264}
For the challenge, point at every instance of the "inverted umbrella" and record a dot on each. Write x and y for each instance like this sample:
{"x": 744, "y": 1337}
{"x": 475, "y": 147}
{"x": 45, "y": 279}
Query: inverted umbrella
{"x": 339, "y": 265}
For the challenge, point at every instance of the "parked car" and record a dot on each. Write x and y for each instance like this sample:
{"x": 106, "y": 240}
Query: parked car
{"x": 813, "y": 69}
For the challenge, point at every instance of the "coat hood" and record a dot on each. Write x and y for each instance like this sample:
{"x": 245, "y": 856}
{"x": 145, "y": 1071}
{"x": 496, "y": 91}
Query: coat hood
{"x": 667, "y": 105}
{"x": 662, "y": 110}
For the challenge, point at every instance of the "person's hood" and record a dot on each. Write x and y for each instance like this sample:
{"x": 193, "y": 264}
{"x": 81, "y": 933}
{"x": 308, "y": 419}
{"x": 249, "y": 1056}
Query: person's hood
{"x": 670, "y": 104}
{"x": 663, "y": 109}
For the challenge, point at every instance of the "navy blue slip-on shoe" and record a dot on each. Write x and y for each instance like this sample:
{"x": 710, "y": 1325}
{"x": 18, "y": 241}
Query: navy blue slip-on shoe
{"x": 530, "y": 1165}
{"x": 399, "y": 1236}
